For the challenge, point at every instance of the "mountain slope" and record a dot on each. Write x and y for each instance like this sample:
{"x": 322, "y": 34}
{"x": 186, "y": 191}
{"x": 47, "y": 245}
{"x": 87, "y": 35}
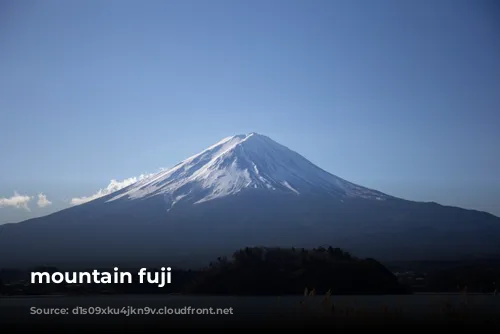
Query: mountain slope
{"x": 246, "y": 190}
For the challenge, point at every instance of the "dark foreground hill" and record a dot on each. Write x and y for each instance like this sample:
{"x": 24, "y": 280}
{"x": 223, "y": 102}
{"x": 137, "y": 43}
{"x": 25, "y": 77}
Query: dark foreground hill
{"x": 275, "y": 271}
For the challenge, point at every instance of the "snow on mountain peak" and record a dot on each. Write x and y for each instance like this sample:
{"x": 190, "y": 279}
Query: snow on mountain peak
{"x": 235, "y": 163}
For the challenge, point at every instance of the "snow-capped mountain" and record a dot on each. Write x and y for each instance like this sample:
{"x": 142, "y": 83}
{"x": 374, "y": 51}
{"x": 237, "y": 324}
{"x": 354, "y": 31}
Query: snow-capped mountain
{"x": 245, "y": 190}
{"x": 242, "y": 162}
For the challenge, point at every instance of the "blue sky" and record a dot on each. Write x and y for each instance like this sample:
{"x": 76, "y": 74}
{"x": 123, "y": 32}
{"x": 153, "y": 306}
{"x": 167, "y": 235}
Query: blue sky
{"x": 399, "y": 96}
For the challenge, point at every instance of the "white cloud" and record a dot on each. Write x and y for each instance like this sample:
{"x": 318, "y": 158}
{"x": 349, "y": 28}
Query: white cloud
{"x": 43, "y": 201}
{"x": 113, "y": 186}
{"x": 16, "y": 201}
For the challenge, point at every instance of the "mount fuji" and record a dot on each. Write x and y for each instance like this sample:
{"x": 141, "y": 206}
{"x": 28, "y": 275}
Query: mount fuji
{"x": 245, "y": 190}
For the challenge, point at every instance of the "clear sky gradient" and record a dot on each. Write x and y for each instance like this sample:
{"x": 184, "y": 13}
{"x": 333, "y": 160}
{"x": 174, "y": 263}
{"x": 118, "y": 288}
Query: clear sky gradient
{"x": 399, "y": 96}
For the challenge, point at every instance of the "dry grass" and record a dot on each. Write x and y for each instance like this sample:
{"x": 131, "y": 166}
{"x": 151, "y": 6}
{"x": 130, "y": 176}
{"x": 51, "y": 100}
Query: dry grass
{"x": 327, "y": 306}
{"x": 339, "y": 312}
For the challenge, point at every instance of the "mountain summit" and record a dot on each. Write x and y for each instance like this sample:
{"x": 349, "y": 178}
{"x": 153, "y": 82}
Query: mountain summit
{"x": 245, "y": 190}
{"x": 239, "y": 163}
